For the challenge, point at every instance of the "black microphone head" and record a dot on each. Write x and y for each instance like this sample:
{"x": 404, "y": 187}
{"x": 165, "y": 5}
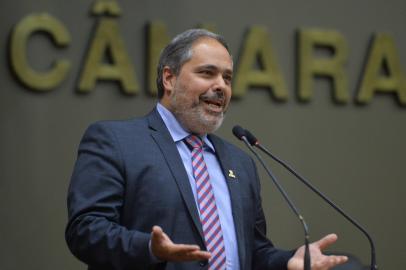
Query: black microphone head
{"x": 239, "y": 132}
{"x": 251, "y": 138}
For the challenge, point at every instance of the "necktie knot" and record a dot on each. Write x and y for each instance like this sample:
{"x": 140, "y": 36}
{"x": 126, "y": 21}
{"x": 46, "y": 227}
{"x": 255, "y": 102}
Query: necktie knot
{"x": 194, "y": 142}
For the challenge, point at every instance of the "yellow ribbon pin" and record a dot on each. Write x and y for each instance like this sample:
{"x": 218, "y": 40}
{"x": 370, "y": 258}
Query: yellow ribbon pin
{"x": 231, "y": 173}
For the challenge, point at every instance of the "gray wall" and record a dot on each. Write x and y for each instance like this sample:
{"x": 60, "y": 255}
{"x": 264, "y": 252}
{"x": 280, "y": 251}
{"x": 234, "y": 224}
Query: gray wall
{"x": 355, "y": 154}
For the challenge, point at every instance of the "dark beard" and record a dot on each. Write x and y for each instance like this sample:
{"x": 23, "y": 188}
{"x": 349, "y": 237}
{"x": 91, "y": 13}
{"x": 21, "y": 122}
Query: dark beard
{"x": 195, "y": 118}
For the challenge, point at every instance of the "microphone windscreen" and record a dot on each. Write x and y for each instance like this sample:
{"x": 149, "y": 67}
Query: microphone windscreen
{"x": 238, "y": 131}
{"x": 250, "y": 137}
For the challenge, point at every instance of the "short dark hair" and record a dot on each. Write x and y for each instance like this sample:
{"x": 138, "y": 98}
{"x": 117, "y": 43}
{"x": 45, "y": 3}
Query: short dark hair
{"x": 178, "y": 51}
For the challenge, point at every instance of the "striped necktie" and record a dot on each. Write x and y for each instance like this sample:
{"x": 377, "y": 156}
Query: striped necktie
{"x": 209, "y": 217}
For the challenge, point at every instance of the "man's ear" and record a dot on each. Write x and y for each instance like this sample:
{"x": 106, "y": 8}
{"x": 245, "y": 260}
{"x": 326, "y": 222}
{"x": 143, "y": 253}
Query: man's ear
{"x": 168, "y": 80}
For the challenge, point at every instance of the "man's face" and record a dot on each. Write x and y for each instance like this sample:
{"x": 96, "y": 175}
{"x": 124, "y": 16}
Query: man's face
{"x": 199, "y": 95}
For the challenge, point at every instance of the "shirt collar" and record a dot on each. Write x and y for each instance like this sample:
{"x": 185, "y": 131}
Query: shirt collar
{"x": 178, "y": 133}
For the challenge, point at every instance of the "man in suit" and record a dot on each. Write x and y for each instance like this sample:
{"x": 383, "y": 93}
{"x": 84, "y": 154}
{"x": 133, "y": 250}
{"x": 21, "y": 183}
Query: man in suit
{"x": 163, "y": 192}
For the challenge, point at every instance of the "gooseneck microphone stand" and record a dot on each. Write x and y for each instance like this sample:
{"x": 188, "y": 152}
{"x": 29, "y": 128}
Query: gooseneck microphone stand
{"x": 240, "y": 134}
{"x": 254, "y": 142}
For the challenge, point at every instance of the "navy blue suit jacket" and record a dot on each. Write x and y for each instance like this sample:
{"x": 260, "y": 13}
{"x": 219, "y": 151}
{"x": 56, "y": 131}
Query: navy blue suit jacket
{"x": 129, "y": 177}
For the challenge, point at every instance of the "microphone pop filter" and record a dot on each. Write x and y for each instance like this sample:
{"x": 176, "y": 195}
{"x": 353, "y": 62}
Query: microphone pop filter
{"x": 238, "y": 131}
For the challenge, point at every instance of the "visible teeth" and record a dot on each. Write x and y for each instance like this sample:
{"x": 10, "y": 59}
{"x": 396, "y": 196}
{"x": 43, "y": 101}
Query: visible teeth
{"x": 218, "y": 104}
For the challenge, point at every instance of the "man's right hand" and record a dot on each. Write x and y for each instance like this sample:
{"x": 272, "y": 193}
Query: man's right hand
{"x": 165, "y": 250}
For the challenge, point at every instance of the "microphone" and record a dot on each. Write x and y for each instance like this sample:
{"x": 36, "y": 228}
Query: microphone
{"x": 254, "y": 142}
{"x": 241, "y": 134}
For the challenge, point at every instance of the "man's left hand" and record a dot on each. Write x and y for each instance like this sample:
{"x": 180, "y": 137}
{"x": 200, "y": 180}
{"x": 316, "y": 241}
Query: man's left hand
{"x": 319, "y": 261}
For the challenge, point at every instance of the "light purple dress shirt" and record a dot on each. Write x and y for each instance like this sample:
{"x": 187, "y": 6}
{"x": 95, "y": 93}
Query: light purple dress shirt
{"x": 217, "y": 179}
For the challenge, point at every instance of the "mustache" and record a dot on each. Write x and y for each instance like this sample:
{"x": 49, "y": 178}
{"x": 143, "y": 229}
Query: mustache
{"x": 217, "y": 96}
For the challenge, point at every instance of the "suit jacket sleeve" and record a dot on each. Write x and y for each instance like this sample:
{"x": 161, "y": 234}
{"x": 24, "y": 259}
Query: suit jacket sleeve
{"x": 95, "y": 199}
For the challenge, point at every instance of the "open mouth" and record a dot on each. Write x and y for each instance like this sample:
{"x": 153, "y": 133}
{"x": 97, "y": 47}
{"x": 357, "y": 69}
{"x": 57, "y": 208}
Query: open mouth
{"x": 216, "y": 105}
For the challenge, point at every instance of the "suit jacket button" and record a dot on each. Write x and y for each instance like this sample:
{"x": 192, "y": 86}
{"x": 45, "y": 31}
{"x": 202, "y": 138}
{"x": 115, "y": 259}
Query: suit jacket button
{"x": 203, "y": 263}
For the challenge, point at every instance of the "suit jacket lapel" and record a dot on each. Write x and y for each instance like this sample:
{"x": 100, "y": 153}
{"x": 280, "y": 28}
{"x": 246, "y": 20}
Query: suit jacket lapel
{"x": 229, "y": 167}
{"x": 165, "y": 142}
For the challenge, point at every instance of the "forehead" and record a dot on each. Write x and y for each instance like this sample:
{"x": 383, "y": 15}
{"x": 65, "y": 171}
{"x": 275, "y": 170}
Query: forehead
{"x": 209, "y": 51}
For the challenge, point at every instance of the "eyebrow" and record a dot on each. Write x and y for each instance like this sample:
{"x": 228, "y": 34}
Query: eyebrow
{"x": 214, "y": 67}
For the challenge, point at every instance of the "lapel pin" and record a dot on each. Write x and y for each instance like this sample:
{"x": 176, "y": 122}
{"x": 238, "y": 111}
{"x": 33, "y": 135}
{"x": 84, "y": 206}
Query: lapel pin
{"x": 231, "y": 173}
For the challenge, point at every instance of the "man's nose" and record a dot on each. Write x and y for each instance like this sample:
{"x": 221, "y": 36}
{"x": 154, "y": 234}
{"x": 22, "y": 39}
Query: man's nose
{"x": 220, "y": 83}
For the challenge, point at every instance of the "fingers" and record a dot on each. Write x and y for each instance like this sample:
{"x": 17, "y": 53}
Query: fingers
{"x": 183, "y": 248}
{"x": 164, "y": 249}
{"x": 156, "y": 228}
{"x": 336, "y": 260}
{"x": 319, "y": 261}
{"x": 326, "y": 241}
{"x": 159, "y": 238}
{"x": 183, "y": 252}
{"x": 329, "y": 262}
{"x": 157, "y": 233}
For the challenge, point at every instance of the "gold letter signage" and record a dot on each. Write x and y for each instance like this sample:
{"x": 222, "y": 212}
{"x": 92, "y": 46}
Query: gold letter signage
{"x": 257, "y": 46}
{"x": 320, "y": 53}
{"x": 108, "y": 43}
{"x": 383, "y": 72}
{"x": 331, "y": 67}
{"x": 33, "y": 79}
